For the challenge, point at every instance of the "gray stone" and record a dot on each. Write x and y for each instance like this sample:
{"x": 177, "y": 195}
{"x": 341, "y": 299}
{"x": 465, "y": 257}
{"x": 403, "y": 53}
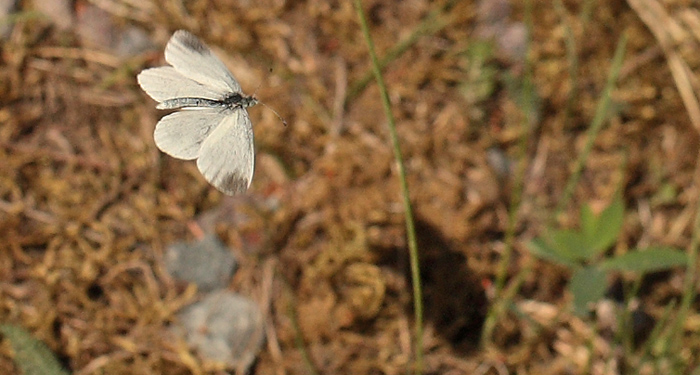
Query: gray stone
{"x": 225, "y": 327}
{"x": 208, "y": 263}
{"x": 7, "y": 7}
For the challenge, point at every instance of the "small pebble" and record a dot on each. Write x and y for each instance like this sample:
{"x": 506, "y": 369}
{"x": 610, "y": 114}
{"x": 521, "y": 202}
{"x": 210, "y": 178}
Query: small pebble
{"x": 225, "y": 327}
{"x": 7, "y": 7}
{"x": 207, "y": 263}
{"x": 97, "y": 29}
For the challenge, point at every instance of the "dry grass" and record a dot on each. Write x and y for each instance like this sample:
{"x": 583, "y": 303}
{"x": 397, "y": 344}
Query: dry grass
{"x": 88, "y": 204}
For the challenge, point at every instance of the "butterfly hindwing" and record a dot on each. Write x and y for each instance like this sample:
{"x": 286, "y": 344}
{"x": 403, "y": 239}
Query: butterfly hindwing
{"x": 182, "y": 133}
{"x": 227, "y": 156}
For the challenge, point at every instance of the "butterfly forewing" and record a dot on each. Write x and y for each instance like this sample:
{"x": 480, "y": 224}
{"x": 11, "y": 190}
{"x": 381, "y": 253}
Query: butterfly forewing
{"x": 194, "y": 60}
{"x": 166, "y": 83}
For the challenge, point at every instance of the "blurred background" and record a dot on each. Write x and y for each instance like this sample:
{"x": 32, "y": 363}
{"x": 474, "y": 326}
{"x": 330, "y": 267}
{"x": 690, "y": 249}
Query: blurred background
{"x": 551, "y": 152}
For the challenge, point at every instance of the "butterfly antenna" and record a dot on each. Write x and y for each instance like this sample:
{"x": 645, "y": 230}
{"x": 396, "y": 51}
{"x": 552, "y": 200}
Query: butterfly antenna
{"x": 267, "y": 106}
{"x": 275, "y": 112}
{"x": 259, "y": 85}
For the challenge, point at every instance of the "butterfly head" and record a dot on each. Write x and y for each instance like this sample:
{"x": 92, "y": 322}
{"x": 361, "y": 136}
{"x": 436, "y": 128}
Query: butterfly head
{"x": 248, "y": 101}
{"x": 237, "y": 100}
{"x": 244, "y": 101}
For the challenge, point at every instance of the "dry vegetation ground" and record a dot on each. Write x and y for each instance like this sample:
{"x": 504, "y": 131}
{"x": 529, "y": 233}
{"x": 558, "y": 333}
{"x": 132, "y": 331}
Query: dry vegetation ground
{"x": 88, "y": 204}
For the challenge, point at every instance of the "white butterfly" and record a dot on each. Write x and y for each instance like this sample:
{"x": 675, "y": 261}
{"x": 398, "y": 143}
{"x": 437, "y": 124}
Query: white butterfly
{"x": 213, "y": 126}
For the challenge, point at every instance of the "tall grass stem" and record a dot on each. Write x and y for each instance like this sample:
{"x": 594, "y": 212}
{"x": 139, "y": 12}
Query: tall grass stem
{"x": 408, "y": 211}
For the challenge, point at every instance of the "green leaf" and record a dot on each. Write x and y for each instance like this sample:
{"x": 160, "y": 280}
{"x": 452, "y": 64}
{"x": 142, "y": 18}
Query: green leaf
{"x": 647, "y": 260}
{"x": 539, "y": 248}
{"x": 32, "y": 356}
{"x": 601, "y": 232}
{"x": 481, "y": 77}
{"x": 589, "y": 221}
{"x": 587, "y": 285}
{"x": 572, "y": 245}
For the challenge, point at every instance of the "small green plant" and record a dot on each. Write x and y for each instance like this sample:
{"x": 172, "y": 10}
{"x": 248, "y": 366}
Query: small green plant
{"x": 32, "y": 356}
{"x": 482, "y": 77}
{"x": 583, "y": 251}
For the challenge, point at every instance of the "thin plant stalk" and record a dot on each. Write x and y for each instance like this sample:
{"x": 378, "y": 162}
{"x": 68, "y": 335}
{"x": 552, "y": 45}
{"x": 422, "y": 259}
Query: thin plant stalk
{"x": 435, "y": 21}
{"x": 410, "y": 225}
{"x": 571, "y": 57}
{"x": 503, "y": 297}
{"x": 689, "y": 291}
{"x": 601, "y": 115}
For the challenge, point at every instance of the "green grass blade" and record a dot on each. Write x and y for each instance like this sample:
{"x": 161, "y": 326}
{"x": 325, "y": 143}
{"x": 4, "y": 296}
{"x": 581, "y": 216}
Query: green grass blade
{"x": 410, "y": 225}
{"x": 571, "y": 57}
{"x": 434, "y": 22}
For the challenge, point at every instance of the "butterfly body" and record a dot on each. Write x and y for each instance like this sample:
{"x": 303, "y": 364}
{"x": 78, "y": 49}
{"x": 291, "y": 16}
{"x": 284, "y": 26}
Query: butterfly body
{"x": 234, "y": 101}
